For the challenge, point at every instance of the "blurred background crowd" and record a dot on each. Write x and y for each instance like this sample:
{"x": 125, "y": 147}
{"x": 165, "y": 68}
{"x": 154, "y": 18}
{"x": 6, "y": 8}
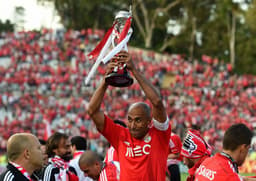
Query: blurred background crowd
{"x": 42, "y": 89}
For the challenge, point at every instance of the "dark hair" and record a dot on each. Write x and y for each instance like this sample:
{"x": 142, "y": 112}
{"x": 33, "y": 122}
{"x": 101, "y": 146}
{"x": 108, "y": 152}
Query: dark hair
{"x": 80, "y": 142}
{"x": 42, "y": 142}
{"x": 117, "y": 121}
{"x": 236, "y": 135}
{"x": 53, "y": 142}
{"x": 196, "y": 127}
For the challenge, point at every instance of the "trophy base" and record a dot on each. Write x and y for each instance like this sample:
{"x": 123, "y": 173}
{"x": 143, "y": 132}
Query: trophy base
{"x": 119, "y": 80}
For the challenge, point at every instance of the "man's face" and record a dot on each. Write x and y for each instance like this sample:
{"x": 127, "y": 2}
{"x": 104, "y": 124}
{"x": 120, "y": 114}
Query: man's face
{"x": 92, "y": 171}
{"x": 244, "y": 149}
{"x": 45, "y": 156}
{"x": 64, "y": 149}
{"x": 188, "y": 162}
{"x": 138, "y": 122}
{"x": 36, "y": 156}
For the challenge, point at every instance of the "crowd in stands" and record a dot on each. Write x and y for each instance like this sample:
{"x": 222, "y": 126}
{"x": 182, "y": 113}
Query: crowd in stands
{"x": 42, "y": 83}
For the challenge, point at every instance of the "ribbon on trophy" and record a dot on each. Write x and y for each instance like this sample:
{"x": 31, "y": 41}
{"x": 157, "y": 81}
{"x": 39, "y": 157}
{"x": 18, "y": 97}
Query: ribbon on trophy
{"x": 101, "y": 51}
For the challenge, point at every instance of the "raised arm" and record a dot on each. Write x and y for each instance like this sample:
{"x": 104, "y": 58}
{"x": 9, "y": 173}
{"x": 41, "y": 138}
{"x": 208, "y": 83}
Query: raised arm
{"x": 94, "y": 106}
{"x": 150, "y": 91}
{"x": 93, "y": 109}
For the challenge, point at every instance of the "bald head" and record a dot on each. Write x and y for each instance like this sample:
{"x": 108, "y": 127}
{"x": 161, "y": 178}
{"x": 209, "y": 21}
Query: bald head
{"x": 141, "y": 106}
{"x": 17, "y": 143}
{"x": 89, "y": 158}
{"x": 91, "y": 164}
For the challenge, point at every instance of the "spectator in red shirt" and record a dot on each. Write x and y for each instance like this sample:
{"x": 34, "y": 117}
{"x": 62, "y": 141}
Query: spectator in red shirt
{"x": 92, "y": 166}
{"x": 194, "y": 151}
{"x": 142, "y": 149}
{"x": 224, "y": 165}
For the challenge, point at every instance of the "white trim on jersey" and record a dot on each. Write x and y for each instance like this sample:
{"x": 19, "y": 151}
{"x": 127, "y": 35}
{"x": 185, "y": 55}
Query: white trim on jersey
{"x": 110, "y": 154}
{"x": 8, "y": 176}
{"x": 161, "y": 126}
{"x": 117, "y": 164}
{"x": 47, "y": 173}
{"x": 103, "y": 176}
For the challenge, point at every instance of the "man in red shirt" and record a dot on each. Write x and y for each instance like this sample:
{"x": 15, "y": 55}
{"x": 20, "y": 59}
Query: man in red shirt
{"x": 194, "y": 151}
{"x": 92, "y": 166}
{"x": 224, "y": 165}
{"x": 142, "y": 148}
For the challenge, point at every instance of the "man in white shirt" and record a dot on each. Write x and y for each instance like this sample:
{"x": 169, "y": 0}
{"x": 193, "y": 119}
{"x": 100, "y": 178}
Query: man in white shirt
{"x": 78, "y": 146}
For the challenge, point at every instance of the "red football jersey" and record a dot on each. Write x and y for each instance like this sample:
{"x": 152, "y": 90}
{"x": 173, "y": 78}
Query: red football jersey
{"x": 111, "y": 155}
{"x": 217, "y": 168}
{"x": 110, "y": 172}
{"x": 175, "y": 145}
{"x": 139, "y": 159}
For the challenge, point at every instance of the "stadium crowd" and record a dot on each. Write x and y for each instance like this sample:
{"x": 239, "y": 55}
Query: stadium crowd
{"x": 42, "y": 88}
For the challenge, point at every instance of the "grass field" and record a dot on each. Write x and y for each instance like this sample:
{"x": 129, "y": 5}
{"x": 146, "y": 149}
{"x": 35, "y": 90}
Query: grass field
{"x": 184, "y": 175}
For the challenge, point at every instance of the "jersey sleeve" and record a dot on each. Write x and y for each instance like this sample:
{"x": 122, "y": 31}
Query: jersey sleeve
{"x": 110, "y": 172}
{"x": 161, "y": 126}
{"x": 175, "y": 144}
{"x": 112, "y": 132}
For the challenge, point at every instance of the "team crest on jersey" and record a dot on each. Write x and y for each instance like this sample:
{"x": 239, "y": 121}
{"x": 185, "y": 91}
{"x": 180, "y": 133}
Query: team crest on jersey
{"x": 147, "y": 139}
{"x": 189, "y": 144}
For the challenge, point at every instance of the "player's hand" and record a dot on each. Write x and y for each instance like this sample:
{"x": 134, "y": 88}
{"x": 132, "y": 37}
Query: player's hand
{"x": 125, "y": 59}
{"x": 111, "y": 65}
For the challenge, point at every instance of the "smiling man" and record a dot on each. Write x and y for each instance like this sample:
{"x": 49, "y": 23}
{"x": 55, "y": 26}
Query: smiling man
{"x": 58, "y": 148}
{"x": 140, "y": 145}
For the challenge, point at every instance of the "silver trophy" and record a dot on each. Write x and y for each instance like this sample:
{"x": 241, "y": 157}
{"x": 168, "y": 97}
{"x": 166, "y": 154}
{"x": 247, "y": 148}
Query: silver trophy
{"x": 119, "y": 77}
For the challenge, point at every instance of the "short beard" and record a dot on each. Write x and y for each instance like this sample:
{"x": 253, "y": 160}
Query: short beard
{"x": 67, "y": 157}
